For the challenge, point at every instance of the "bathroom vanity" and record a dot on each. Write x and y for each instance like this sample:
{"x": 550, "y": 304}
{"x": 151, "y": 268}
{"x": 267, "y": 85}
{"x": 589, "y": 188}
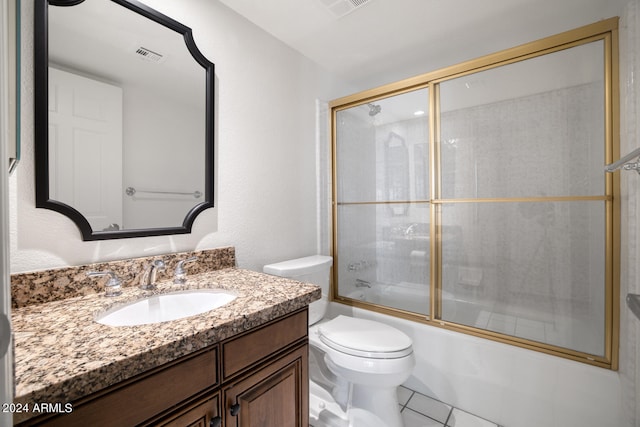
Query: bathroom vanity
{"x": 258, "y": 375}
{"x": 245, "y": 363}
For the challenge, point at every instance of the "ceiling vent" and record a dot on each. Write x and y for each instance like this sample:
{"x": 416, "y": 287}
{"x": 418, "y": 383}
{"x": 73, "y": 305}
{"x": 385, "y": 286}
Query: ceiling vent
{"x": 149, "y": 55}
{"x": 341, "y": 8}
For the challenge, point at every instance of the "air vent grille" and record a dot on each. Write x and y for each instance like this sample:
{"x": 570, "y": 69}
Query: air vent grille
{"x": 341, "y": 8}
{"x": 149, "y": 55}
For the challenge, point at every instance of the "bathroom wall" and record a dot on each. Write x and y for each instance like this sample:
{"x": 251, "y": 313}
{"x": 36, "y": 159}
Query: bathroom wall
{"x": 6, "y": 358}
{"x": 145, "y": 165}
{"x": 630, "y": 207}
{"x": 265, "y": 153}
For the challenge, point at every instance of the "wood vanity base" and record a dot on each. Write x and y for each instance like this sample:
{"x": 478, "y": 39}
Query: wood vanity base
{"x": 258, "y": 378}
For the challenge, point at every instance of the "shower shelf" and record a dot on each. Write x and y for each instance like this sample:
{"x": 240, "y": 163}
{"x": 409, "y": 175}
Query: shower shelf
{"x": 633, "y": 302}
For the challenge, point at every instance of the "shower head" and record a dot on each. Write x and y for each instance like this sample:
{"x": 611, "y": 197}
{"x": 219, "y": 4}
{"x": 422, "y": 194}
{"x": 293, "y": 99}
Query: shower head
{"x": 374, "y": 109}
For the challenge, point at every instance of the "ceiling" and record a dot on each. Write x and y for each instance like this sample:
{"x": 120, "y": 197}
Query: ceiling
{"x": 387, "y": 40}
{"x": 101, "y": 39}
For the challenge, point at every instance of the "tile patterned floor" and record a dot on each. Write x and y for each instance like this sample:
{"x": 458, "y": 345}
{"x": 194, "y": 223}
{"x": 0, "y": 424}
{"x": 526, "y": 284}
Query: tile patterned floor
{"x": 419, "y": 410}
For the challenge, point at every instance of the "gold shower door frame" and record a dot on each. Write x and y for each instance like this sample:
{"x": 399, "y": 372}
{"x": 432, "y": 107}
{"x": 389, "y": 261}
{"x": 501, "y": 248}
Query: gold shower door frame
{"x": 606, "y": 31}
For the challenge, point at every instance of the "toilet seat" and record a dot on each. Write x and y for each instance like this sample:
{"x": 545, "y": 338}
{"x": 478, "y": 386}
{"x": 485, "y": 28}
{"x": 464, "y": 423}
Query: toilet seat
{"x": 364, "y": 338}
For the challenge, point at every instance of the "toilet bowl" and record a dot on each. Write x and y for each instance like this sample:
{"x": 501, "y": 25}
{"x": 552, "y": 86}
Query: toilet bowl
{"x": 356, "y": 364}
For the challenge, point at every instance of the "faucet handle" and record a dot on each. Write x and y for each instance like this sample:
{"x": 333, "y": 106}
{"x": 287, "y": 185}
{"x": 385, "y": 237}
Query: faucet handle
{"x": 158, "y": 264}
{"x": 112, "y": 287}
{"x": 180, "y": 276}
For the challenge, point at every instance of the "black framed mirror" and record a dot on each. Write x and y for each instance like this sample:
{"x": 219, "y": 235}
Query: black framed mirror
{"x": 124, "y": 117}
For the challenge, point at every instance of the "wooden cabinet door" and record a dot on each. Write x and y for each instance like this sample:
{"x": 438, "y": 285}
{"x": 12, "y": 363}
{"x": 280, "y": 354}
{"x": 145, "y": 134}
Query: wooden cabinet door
{"x": 275, "y": 396}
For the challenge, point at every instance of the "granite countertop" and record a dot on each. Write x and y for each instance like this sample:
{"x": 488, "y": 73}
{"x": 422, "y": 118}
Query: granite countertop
{"x": 62, "y": 354}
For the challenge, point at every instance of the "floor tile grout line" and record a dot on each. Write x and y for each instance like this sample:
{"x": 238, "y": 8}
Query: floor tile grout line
{"x": 420, "y": 412}
{"x": 425, "y": 416}
{"x": 408, "y": 400}
{"x": 446, "y": 422}
{"x": 451, "y": 408}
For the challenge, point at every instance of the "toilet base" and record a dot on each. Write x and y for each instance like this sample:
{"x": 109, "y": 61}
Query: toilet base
{"x": 324, "y": 411}
{"x": 367, "y": 409}
{"x": 351, "y": 391}
{"x": 375, "y": 404}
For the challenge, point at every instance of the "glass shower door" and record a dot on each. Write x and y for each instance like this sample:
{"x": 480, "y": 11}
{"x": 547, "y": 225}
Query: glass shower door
{"x": 474, "y": 198}
{"x": 382, "y": 202}
{"x": 523, "y": 181}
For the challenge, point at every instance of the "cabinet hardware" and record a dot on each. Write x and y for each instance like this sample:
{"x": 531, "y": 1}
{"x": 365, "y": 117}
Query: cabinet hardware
{"x": 215, "y": 422}
{"x": 235, "y": 409}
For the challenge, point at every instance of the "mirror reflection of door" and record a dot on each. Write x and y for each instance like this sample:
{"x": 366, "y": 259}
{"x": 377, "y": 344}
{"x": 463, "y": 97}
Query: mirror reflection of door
{"x": 85, "y": 146}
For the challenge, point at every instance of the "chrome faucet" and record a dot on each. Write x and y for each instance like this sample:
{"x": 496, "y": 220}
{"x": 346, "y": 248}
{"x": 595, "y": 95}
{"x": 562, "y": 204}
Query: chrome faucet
{"x": 112, "y": 287}
{"x": 148, "y": 279}
{"x": 179, "y": 275}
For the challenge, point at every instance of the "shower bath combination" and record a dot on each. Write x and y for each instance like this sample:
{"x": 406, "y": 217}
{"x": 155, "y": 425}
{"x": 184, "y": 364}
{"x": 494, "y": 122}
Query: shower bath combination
{"x": 409, "y": 202}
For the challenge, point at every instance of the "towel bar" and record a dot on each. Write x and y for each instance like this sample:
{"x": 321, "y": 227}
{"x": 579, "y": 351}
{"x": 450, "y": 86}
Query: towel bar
{"x": 131, "y": 191}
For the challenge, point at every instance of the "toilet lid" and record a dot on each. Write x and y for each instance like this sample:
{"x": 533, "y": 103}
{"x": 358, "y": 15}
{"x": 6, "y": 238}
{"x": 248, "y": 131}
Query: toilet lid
{"x": 364, "y": 338}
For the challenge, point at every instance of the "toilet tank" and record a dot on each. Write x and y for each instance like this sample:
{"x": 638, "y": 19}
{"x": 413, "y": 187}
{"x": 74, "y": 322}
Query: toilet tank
{"x": 313, "y": 269}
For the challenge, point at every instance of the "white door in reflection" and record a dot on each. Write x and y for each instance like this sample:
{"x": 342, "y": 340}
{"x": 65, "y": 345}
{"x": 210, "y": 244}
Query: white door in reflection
{"x": 85, "y": 146}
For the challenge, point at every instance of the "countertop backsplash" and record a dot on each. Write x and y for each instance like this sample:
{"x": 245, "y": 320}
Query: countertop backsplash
{"x": 67, "y": 282}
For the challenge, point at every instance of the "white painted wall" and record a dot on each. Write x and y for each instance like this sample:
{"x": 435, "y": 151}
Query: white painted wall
{"x": 630, "y": 208}
{"x": 6, "y": 352}
{"x": 148, "y": 165}
{"x": 265, "y": 153}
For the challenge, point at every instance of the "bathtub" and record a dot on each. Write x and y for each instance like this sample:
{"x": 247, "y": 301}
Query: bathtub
{"x": 414, "y": 297}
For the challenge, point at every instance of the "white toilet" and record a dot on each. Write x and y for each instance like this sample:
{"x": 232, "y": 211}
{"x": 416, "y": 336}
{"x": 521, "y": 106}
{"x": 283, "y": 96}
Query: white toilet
{"x": 356, "y": 365}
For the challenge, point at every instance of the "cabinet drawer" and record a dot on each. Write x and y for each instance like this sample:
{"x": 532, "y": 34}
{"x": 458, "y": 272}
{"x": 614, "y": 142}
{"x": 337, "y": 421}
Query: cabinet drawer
{"x": 244, "y": 351}
{"x": 203, "y": 413}
{"x": 140, "y": 400}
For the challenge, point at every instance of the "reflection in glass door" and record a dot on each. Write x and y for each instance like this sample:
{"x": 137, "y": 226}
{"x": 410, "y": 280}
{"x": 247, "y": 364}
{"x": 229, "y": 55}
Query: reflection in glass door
{"x": 382, "y": 196}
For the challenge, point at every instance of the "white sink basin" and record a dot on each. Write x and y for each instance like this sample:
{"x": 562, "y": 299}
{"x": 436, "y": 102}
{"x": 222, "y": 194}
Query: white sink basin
{"x": 165, "y": 307}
